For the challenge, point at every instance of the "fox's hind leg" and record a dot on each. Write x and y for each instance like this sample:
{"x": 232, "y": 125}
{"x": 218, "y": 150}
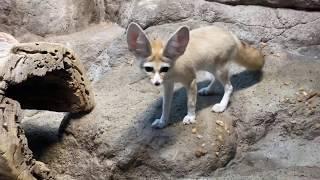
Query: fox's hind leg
{"x": 207, "y": 90}
{"x": 224, "y": 77}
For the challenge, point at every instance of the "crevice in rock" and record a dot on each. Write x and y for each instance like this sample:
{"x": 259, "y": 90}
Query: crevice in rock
{"x": 296, "y": 5}
{"x": 43, "y": 93}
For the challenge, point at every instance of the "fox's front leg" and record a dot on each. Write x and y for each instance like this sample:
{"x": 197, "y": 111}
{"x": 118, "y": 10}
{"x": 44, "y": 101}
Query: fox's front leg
{"x": 166, "y": 106}
{"x": 192, "y": 101}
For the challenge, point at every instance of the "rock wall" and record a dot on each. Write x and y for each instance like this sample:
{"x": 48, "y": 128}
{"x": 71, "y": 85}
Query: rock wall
{"x": 294, "y": 4}
{"x": 285, "y": 27}
{"x": 48, "y": 17}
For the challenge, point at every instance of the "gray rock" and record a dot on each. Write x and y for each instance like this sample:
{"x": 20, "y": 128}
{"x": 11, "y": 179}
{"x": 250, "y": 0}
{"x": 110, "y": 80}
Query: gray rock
{"x": 47, "y": 17}
{"x": 295, "y": 4}
{"x": 91, "y": 44}
{"x": 288, "y": 28}
{"x": 150, "y": 13}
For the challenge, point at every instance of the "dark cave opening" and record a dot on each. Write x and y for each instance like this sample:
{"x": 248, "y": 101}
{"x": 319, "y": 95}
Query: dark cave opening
{"x": 50, "y": 92}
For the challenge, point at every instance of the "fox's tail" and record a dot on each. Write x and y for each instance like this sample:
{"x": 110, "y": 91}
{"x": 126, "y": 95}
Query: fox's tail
{"x": 250, "y": 57}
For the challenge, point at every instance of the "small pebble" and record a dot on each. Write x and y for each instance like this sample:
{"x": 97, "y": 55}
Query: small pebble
{"x": 5, "y": 126}
{"x": 220, "y": 123}
{"x": 199, "y": 136}
{"x": 194, "y": 130}
{"x": 200, "y": 152}
{"x": 310, "y": 112}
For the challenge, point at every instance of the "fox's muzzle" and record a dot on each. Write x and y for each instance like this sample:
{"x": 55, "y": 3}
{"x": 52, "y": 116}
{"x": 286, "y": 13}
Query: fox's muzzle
{"x": 156, "y": 80}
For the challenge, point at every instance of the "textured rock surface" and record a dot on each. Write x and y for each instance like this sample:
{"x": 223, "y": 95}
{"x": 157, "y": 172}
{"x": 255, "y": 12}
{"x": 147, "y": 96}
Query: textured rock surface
{"x": 47, "y": 17}
{"x": 16, "y": 160}
{"x": 295, "y": 4}
{"x": 90, "y": 44}
{"x": 284, "y": 27}
{"x": 47, "y": 76}
{"x": 280, "y": 141}
{"x": 23, "y": 67}
{"x": 272, "y": 122}
{"x": 135, "y": 148}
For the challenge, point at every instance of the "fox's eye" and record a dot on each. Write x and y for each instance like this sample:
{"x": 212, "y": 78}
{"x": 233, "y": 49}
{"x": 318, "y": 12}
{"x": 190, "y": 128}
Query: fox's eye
{"x": 164, "y": 69}
{"x": 148, "y": 69}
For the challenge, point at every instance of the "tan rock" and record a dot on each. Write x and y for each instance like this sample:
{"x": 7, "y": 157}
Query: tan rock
{"x": 15, "y": 156}
{"x": 47, "y": 76}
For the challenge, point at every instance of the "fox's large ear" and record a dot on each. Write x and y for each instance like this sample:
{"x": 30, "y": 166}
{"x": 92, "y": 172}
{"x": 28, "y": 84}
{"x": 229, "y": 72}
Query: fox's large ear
{"x": 177, "y": 43}
{"x": 138, "y": 41}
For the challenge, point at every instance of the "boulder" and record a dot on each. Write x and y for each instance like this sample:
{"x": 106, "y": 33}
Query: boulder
{"x": 47, "y": 76}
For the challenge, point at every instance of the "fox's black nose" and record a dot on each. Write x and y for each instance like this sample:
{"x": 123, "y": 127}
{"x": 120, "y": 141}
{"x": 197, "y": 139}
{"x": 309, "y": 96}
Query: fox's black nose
{"x": 157, "y": 83}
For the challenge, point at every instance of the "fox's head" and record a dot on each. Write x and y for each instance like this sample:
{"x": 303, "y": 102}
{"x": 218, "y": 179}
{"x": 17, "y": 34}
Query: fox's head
{"x": 156, "y": 59}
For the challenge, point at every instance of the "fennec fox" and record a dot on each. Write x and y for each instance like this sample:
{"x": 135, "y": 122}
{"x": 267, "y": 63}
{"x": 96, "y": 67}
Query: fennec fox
{"x": 208, "y": 48}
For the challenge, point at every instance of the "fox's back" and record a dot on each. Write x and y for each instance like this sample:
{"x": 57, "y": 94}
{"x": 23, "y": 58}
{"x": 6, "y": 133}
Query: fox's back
{"x": 209, "y": 46}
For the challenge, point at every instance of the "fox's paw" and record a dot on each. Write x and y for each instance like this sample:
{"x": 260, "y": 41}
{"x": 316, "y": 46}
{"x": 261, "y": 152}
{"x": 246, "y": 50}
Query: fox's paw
{"x": 189, "y": 119}
{"x": 218, "y": 108}
{"x": 158, "y": 124}
{"x": 204, "y": 91}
